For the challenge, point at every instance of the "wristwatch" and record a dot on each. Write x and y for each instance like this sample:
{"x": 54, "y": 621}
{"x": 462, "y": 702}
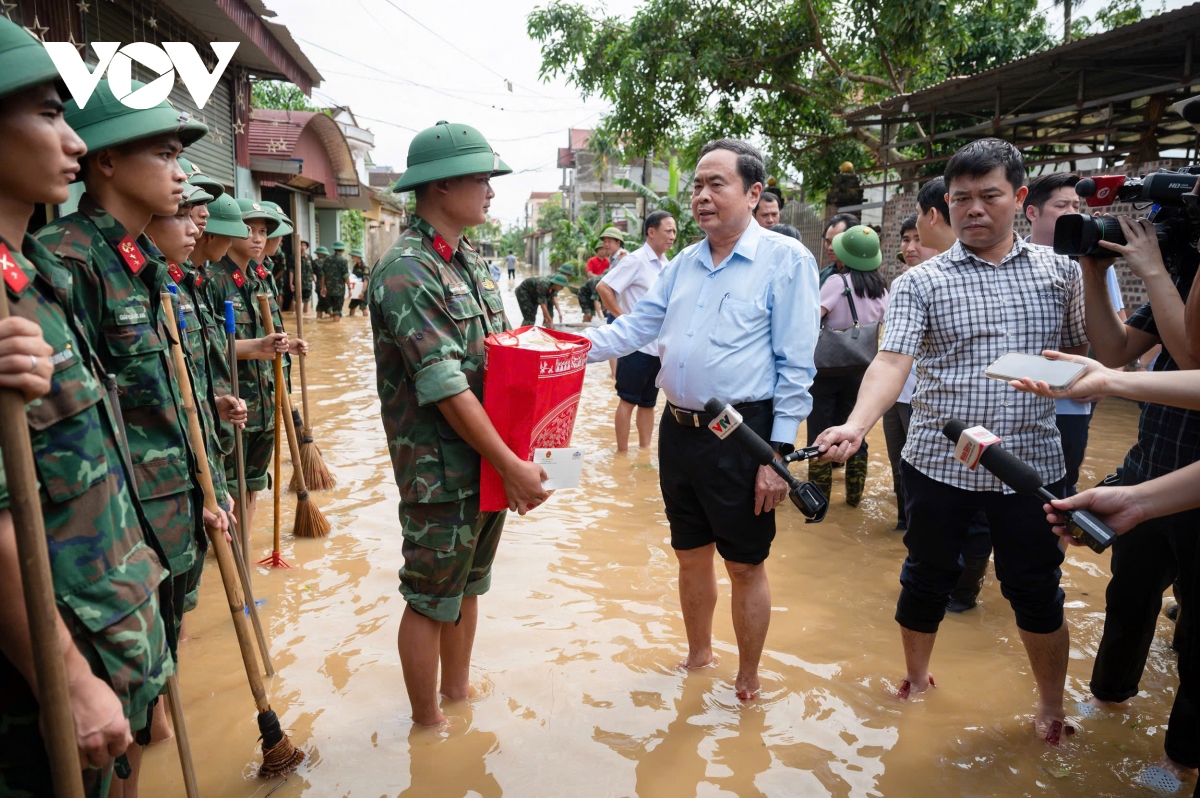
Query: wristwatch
{"x": 783, "y": 449}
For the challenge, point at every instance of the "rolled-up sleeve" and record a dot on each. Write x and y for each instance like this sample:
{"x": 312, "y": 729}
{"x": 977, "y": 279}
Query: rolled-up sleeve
{"x": 907, "y": 317}
{"x": 1074, "y": 331}
{"x": 795, "y": 324}
{"x": 631, "y": 331}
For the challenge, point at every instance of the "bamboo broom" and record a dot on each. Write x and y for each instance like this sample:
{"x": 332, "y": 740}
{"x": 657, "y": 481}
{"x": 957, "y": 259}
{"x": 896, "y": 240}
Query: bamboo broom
{"x": 33, "y": 555}
{"x": 316, "y": 474}
{"x": 279, "y": 755}
{"x": 310, "y": 523}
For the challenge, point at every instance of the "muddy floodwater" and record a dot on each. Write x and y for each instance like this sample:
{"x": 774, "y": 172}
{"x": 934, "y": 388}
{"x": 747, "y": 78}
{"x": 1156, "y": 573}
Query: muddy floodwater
{"x": 578, "y": 639}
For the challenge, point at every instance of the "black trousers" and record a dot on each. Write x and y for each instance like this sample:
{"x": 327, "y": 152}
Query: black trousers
{"x": 832, "y": 400}
{"x": 1145, "y": 562}
{"x": 895, "y": 435}
{"x": 1073, "y": 430}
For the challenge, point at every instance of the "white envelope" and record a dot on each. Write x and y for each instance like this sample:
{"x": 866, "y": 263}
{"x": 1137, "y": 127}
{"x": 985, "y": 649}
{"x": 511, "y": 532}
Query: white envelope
{"x": 563, "y": 467}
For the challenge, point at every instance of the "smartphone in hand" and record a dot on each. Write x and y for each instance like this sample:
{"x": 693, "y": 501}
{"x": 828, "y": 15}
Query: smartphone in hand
{"x": 1058, "y": 374}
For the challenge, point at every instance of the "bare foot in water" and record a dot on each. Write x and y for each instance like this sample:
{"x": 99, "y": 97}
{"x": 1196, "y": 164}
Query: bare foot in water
{"x": 747, "y": 687}
{"x": 913, "y": 686}
{"x": 1108, "y": 706}
{"x": 697, "y": 661}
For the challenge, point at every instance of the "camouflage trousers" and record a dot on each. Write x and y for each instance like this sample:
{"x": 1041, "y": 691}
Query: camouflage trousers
{"x": 448, "y": 551}
{"x": 336, "y": 302}
{"x": 258, "y": 447}
{"x": 529, "y": 309}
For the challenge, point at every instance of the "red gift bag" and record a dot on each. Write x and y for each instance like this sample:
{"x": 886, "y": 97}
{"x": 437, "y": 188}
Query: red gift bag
{"x": 531, "y": 395}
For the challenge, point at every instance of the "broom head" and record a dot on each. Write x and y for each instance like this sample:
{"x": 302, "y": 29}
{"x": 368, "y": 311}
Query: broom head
{"x": 310, "y": 522}
{"x": 280, "y": 757}
{"x": 316, "y": 475}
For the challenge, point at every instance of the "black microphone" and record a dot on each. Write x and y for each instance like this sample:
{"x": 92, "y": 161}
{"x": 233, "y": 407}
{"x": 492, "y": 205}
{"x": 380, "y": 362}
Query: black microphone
{"x": 1021, "y": 477}
{"x": 727, "y": 423}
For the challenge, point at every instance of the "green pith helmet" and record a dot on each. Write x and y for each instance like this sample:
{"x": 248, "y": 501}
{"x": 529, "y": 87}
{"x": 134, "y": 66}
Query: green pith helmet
{"x": 106, "y": 122}
{"x": 24, "y": 62}
{"x": 612, "y": 232}
{"x": 567, "y": 269}
{"x": 338, "y": 245}
{"x": 448, "y": 150}
{"x": 195, "y": 195}
{"x": 858, "y": 248}
{"x": 321, "y": 251}
{"x": 253, "y": 209}
{"x": 559, "y": 279}
{"x": 225, "y": 218}
{"x": 285, "y": 227}
{"x": 198, "y": 178}
{"x": 357, "y": 252}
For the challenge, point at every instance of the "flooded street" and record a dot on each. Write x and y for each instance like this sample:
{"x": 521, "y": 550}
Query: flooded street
{"x": 578, "y": 639}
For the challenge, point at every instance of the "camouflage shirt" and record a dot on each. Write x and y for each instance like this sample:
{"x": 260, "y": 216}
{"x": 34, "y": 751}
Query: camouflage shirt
{"x": 212, "y": 316}
{"x": 105, "y": 563}
{"x": 196, "y": 351}
{"x": 337, "y": 272}
{"x": 431, "y": 308}
{"x": 306, "y": 273}
{"x": 537, "y": 289}
{"x": 116, "y": 287}
{"x": 268, "y": 285}
{"x": 256, "y": 378}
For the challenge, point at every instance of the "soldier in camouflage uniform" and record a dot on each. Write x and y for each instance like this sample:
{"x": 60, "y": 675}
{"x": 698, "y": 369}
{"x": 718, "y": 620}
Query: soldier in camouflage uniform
{"x": 318, "y": 279}
{"x": 589, "y": 298}
{"x": 432, "y": 303}
{"x": 306, "y": 277}
{"x": 240, "y": 277}
{"x": 335, "y": 280}
{"x": 106, "y": 564}
{"x": 270, "y": 249}
{"x": 539, "y": 291}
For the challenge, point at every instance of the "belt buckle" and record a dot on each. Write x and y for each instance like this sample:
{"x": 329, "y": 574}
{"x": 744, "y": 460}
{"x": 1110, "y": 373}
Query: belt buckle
{"x": 695, "y": 419}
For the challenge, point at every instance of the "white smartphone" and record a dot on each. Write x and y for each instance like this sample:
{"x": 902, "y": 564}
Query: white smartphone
{"x": 1058, "y": 374}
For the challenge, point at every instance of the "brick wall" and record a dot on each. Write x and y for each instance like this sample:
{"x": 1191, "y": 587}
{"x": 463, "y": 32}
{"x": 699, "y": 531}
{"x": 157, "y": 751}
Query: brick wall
{"x": 1133, "y": 290}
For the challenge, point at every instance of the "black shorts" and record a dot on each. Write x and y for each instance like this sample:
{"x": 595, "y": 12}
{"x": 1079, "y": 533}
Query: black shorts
{"x": 708, "y": 488}
{"x": 636, "y": 373}
{"x": 358, "y": 303}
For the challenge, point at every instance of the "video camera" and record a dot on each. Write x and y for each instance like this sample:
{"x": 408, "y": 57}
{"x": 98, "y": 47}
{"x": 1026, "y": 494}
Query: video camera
{"x": 1175, "y": 213}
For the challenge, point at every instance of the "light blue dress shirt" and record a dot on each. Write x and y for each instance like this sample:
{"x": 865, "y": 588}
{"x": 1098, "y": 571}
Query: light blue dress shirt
{"x": 742, "y": 331}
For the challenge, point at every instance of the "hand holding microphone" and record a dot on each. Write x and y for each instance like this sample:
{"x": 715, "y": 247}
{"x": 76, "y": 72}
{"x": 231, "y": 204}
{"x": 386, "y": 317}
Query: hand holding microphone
{"x": 1081, "y": 525}
{"x": 727, "y": 423}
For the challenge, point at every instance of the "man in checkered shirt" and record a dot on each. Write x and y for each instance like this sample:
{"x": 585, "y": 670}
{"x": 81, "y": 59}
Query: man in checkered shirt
{"x": 955, "y": 314}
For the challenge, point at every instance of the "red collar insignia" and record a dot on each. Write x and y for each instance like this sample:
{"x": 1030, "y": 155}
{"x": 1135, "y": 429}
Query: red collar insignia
{"x": 175, "y": 272}
{"x": 199, "y": 279}
{"x": 442, "y": 248}
{"x": 133, "y": 256}
{"x": 261, "y": 272}
{"x": 238, "y": 280}
{"x": 14, "y": 275}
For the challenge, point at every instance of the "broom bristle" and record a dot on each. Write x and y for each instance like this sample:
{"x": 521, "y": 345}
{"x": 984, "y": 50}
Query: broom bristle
{"x": 316, "y": 475}
{"x": 280, "y": 757}
{"x": 310, "y": 521}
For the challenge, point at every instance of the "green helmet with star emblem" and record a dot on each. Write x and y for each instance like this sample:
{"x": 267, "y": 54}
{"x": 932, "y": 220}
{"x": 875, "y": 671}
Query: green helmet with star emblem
{"x": 197, "y": 178}
{"x": 253, "y": 209}
{"x": 285, "y": 224}
{"x": 225, "y": 218}
{"x": 107, "y": 122}
{"x": 448, "y": 150}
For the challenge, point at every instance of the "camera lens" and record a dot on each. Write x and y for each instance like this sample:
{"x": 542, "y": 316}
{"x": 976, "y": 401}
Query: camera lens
{"x": 1077, "y": 234}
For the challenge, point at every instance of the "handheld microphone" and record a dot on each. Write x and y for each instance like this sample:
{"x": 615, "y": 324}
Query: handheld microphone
{"x": 1021, "y": 477}
{"x": 727, "y": 422}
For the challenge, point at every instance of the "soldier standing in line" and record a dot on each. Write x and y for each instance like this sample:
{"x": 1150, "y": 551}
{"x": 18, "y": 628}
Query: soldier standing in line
{"x": 335, "y": 280}
{"x": 306, "y": 276}
{"x": 534, "y": 292}
{"x": 319, "y": 279}
{"x": 106, "y": 563}
{"x": 432, "y": 304}
{"x": 237, "y": 278}
{"x": 117, "y": 278}
{"x": 274, "y": 287}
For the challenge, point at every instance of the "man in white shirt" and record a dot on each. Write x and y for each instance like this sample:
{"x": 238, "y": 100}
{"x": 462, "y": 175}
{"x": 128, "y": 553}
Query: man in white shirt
{"x": 622, "y": 287}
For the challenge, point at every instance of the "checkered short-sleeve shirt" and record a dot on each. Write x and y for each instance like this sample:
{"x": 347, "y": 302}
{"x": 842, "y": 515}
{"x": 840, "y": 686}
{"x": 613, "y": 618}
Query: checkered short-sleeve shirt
{"x": 955, "y": 315}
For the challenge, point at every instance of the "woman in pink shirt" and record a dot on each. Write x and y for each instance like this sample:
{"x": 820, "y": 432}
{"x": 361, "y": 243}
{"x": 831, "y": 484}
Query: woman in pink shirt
{"x": 834, "y": 396}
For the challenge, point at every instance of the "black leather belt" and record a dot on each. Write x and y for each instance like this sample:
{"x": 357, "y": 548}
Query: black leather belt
{"x": 698, "y": 418}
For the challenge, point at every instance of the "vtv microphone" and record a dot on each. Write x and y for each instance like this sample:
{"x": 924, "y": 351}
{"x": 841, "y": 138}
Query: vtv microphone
{"x": 1021, "y": 477}
{"x": 727, "y": 422}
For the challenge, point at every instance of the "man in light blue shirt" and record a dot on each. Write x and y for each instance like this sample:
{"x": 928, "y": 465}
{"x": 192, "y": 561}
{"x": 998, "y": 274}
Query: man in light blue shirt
{"x": 736, "y": 317}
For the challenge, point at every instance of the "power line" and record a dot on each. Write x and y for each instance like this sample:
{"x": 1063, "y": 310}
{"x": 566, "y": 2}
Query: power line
{"x": 449, "y": 93}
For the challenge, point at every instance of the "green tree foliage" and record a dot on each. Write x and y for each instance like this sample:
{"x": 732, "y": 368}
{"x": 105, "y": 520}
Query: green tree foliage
{"x": 353, "y": 226}
{"x": 279, "y": 95}
{"x": 784, "y": 72}
{"x": 676, "y": 201}
{"x": 513, "y": 241}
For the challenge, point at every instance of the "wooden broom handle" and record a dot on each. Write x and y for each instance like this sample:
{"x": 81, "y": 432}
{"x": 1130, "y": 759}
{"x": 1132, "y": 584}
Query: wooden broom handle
{"x": 233, "y": 593}
{"x": 33, "y": 558}
{"x": 289, "y": 424}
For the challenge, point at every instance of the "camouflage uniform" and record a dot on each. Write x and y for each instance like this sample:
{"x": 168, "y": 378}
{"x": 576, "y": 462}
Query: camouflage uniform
{"x": 588, "y": 295}
{"x": 256, "y": 378}
{"x": 337, "y": 272}
{"x": 306, "y": 277}
{"x": 318, "y": 275}
{"x": 116, "y": 286}
{"x": 270, "y": 286}
{"x": 429, "y": 315}
{"x": 532, "y": 293}
{"x": 106, "y": 564}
